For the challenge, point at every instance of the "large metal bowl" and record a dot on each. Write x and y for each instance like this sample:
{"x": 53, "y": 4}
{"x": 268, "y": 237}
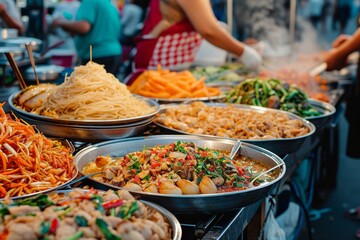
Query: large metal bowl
{"x": 324, "y": 119}
{"x": 23, "y": 113}
{"x": 88, "y": 133}
{"x": 171, "y": 219}
{"x": 46, "y": 190}
{"x": 199, "y": 203}
{"x": 279, "y": 146}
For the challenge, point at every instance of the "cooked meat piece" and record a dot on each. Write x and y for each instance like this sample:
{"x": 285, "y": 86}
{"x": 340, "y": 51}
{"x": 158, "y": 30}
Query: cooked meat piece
{"x": 21, "y": 231}
{"x": 133, "y": 235}
{"x": 23, "y": 210}
{"x": 65, "y": 231}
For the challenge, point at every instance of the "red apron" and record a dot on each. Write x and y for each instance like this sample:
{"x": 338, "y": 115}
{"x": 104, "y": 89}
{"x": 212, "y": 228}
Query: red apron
{"x": 174, "y": 49}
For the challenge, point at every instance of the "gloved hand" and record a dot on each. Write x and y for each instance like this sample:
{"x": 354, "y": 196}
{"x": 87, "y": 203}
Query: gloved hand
{"x": 250, "y": 58}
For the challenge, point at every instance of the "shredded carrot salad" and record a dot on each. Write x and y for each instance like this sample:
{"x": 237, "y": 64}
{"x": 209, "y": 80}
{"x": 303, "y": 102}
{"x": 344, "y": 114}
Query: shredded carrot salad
{"x": 30, "y": 162}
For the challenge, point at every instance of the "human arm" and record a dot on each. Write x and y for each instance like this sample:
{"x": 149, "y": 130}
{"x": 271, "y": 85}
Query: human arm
{"x": 73, "y": 27}
{"x": 343, "y": 47}
{"x": 9, "y": 20}
{"x": 201, "y": 15}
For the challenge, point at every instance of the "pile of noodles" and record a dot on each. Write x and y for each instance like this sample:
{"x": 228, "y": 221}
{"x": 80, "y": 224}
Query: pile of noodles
{"x": 90, "y": 93}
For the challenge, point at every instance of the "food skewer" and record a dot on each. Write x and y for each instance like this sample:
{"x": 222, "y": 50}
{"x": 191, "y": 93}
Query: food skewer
{"x": 16, "y": 70}
{"x": 32, "y": 61}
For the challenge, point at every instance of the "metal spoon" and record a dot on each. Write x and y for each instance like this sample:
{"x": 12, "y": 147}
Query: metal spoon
{"x": 251, "y": 184}
{"x": 32, "y": 61}
{"x": 80, "y": 179}
{"x": 235, "y": 149}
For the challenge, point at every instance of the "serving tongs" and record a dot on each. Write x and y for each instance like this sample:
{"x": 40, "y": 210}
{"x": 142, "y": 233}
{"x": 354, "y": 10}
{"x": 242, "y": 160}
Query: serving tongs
{"x": 318, "y": 69}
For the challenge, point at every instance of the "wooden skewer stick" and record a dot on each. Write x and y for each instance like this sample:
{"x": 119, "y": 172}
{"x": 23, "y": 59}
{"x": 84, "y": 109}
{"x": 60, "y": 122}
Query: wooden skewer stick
{"x": 16, "y": 70}
{"x": 32, "y": 61}
{"x": 90, "y": 53}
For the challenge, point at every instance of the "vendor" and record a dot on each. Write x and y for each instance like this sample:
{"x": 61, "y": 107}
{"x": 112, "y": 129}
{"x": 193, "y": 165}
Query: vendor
{"x": 173, "y": 31}
{"x": 10, "y": 16}
{"x": 336, "y": 58}
{"x": 98, "y": 25}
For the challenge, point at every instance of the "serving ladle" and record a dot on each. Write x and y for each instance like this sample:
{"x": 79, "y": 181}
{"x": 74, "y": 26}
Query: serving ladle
{"x": 251, "y": 184}
{"x": 235, "y": 149}
{"x": 76, "y": 180}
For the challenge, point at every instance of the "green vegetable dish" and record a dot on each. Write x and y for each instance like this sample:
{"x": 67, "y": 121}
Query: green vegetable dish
{"x": 272, "y": 93}
{"x": 82, "y": 214}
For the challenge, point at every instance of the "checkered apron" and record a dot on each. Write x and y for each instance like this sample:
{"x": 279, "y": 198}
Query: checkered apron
{"x": 174, "y": 49}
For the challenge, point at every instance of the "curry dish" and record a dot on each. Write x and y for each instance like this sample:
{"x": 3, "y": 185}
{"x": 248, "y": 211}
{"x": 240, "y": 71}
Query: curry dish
{"x": 178, "y": 168}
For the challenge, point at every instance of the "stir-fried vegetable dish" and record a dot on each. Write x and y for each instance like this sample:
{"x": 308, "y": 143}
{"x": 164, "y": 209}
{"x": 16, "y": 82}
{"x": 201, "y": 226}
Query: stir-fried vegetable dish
{"x": 111, "y": 215}
{"x": 30, "y": 162}
{"x": 178, "y": 168}
{"x": 272, "y": 93}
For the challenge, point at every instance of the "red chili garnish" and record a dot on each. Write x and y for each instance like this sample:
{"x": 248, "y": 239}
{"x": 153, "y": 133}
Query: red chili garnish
{"x": 54, "y": 225}
{"x": 155, "y": 165}
{"x": 4, "y": 234}
{"x": 203, "y": 154}
{"x": 113, "y": 204}
{"x": 240, "y": 171}
{"x": 136, "y": 179}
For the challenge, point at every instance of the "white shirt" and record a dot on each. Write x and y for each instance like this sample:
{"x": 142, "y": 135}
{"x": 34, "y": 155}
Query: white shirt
{"x": 12, "y": 10}
{"x": 130, "y": 18}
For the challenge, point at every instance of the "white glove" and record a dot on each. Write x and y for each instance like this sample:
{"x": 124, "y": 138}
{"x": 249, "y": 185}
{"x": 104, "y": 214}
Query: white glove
{"x": 250, "y": 58}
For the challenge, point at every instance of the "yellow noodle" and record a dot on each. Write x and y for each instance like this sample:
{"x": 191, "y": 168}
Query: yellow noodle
{"x": 93, "y": 94}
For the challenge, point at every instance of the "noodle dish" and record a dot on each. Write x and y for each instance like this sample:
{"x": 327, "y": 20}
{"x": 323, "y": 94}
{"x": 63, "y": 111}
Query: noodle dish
{"x": 88, "y": 94}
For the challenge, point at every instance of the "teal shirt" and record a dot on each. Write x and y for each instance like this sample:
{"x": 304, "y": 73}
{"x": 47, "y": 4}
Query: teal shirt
{"x": 105, "y": 29}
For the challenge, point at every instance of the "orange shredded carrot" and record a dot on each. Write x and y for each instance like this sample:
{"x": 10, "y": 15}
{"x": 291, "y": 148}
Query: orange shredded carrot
{"x": 168, "y": 84}
{"x": 27, "y": 158}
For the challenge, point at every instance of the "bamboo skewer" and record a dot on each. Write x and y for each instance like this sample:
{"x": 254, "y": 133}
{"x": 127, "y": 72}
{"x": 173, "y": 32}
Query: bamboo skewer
{"x": 32, "y": 61}
{"x": 16, "y": 70}
{"x": 90, "y": 53}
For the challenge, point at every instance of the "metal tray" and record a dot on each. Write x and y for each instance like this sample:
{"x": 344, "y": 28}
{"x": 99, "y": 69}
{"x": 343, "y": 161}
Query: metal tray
{"x": 172, "y": 220}
{"x": 88, "y": 133}
{"x": 324, "y": 119}
{"x": 29, "y": 115}
{"x": 47, "y": 190}
{"x": 199, "y": 203}
{"x": 279, "y": 146}
{"x": 180, "y": 100}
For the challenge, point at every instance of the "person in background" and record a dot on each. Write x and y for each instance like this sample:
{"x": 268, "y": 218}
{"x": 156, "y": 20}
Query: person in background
{"x": 173, "y": 31}
{"x": 97, "y": 24}
{"x": 342, "y": 13}
{"x": 65, "y": 9}
{"x": 10, "y": 16}
{"x": 315, "y": 7}
{"x": 130, "y": 20}
{"x": 336, "y": 58}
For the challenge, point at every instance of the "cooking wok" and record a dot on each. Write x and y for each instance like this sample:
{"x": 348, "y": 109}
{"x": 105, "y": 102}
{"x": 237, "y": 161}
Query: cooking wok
{"x": 195, "y": 203}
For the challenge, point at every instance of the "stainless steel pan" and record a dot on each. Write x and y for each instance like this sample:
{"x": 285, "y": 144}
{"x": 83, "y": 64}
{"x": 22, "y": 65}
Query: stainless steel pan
{"x": 324, "y": 119}
{"x": 199, "y": 203}
{"x": 171, "y": 219}
{"x": 280, "y": 146}
{"x": 45, "y": 119}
